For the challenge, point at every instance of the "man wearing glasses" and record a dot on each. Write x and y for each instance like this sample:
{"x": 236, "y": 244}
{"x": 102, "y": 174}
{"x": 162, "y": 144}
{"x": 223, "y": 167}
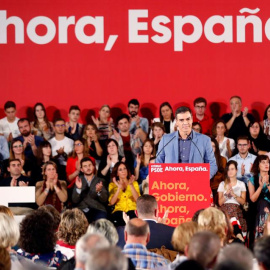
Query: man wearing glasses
{"x": 244, "y": 159}
{"x": 200, "y": 117}
{"x": 61, "y": 145}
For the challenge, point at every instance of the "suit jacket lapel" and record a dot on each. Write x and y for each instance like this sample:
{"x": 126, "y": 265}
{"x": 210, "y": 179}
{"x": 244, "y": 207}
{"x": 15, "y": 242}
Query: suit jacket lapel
{"x": 193, "y": 147}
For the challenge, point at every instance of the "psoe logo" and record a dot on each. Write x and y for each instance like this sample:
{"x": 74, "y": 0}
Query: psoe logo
{"x": 156, "y": 168}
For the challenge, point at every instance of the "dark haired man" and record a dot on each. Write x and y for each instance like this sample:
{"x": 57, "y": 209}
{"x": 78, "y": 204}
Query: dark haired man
{"x": 73, "y": 128}
{"x": 138, "y": 125}
{"x": 8, "y": 124}
{"x": 185, "y": 145}
{"x": 30, "y": 142}
{"x": 201, "y": 117}
{"x": 89, "y": 193}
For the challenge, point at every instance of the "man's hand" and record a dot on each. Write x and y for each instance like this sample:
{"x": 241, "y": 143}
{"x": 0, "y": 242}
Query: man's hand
{"x": 245, "y": 112}
{"x": 163, "y": 219}
{"x": 13, "y": 182}
{"x": 23, "y": 184}
{"x": 99, "y": 187}
{"x": 60, "y": 151}
{"x": 31, "y": 140}
{"x": 78, "y": 182}
{"x": 10, "y": 137}
{"x": 243, "y": 169}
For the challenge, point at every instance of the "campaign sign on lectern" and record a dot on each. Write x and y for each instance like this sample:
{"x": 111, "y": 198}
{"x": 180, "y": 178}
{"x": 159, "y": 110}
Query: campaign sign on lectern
{"x": 180, "y": 188}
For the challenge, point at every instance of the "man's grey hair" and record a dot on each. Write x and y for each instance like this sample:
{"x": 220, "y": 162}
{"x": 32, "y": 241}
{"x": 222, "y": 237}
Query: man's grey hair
{"x": 87, "y": 243}
{"x": 106, "y": 259}
{"x": 237, "y": 253}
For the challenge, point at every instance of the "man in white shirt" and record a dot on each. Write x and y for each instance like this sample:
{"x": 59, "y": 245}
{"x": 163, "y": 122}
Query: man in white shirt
{"x": 8, "y": 124}
{"x": 244, "y": 159}
{"x": 61, "y": 145}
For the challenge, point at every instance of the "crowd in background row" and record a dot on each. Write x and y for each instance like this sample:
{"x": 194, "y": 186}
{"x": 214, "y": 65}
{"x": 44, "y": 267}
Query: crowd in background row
{"x": 102, "y": 167}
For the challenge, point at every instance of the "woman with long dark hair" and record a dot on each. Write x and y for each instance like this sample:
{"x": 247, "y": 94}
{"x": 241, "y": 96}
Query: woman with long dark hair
{"x": 166, "y": 117}
{"x": 265, "y": 124}
{"x": 231, "y": 195}
{"x": 219, "y": 176}
{"x": 41, "y": 126}
{"x": 259, "y": 192}
{"x": 123, "y": 194}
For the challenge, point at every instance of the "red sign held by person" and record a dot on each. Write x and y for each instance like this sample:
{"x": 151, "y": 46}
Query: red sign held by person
{"x": 182, "y": 189}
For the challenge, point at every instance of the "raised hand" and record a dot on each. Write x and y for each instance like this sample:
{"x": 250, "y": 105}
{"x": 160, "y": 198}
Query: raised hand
{"x": 109, "y": 160}
{"x": 99, "y": 186}
{"x": 131, "y": 180}
{"x": 117, "y": 183}
{"x": 243, "y": 169}
{"x": 60, "y": 151}
{"x": 23, "y": 184}
{"x": 31, "y": 139}
{"x": 78, "y": 182}
{"x": 245, "y": 112}
{"x": 116, "y": 135}
{"x": 95, "y": 120}
{"x": 163, "y": 219}
{"x": 13, "y": 182}
{"x": 138, "y": 159}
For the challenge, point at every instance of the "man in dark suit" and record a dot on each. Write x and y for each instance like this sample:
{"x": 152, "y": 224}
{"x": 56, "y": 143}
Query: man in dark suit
{"x": 160, "y": 234}
{"x": 89, "y": 193}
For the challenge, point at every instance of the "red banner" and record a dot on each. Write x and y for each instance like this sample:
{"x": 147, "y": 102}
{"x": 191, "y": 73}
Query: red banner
{"x": 182, "y": 189}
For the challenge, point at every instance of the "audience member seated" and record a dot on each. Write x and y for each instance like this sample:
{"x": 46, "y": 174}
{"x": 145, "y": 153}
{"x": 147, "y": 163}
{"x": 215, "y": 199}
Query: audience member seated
{"x": 123, "y": 194}
{"x": 107, "y": 162}
{"x": 8, "y": 124}
{"x": 16, "y": 179}
{"x": 73, "y": 225}
{"x": 73, "y": 168}
{"x": 93, "y": 142}
{"x": 106, "y": 228}
{"x": 244, "y": 159}
{"x": 214, "y": 220}
{"x": 180, "y": 240}
{"x": 196, "y": 126}
{"x": 84, "y": 246}
{"x": 201, "y": 117}
{"x": 147, "y": 209}
{"x": 259, "y": 188}
{"x": 139, "y": 126}
{"x": 51, "y": 190}
{"x": 158, "y": 131}
{"x": 9, "y": 236}
{"x": 259, "y": 144}
{"x": 265, "y": 124}
{"x": 38, "y": 239}
{"x": 106, "y": 259}
{"x": 231, "y": 195}
{"x": 89, "y": 193}
{"x": 17, "y": 152}
{"x": 237, "y": 121}
{"x": 56, "y": 215}
{"x": 226, "y": 145}
{"x": 30, "y": 142}
{"x": 219, "y": 176}
{"x": 73, "y": 128}
{"x": 204, "y": 248}
{"x": 137, "y": 236}
{"x": 166, "y": 117}
{"x": 104, "y": 122}
{"x": 41, "y": 126}
{"x": 44, "y": 154}
{"x": 262, "y": 252}
{"x": 237, "y": 253}
{"x": 129, "y": 144}
{"x": 142, "y": 161}
{"x": 62, "y": 146}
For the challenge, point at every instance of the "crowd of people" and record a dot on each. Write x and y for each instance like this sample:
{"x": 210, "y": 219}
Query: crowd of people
{"x": 98, "y": 172}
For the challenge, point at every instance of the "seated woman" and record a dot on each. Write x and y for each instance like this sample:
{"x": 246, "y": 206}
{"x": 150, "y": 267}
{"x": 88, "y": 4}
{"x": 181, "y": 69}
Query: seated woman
{"x": 104, "y": 122}
{"x": 17, "y": 152}
{"x": 158, "y": 131}
{"x": 226, "y": 145}
{"x": 265, "y": 124}
{"x": 42, "y": 126}
{"x": 259, "y": 143}
{"x": 38, "y": 239}
{"x": 72, "y": 226}
{"x": 93, "y": 143}
{"x": 142, "y": 161}
{"x": 123, "y": 194}
{"x": 219, "y": 176}
{"x": 51, "y": 190}
{"x": 231, "y": 195}
{"x": 107, "y": 162}
{"x": 73, "y": 168}
{"x": 44, "y": 154}
{"x": 166, "y": 117}
{"x": 259, "y": 192}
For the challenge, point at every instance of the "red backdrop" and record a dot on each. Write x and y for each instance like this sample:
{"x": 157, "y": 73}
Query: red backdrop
{"x": 60, "y": 75}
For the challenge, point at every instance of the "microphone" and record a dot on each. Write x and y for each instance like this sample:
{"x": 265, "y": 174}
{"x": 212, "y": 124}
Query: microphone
{"x": 164, "y": 146}
{"x": 189, "y": 138}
